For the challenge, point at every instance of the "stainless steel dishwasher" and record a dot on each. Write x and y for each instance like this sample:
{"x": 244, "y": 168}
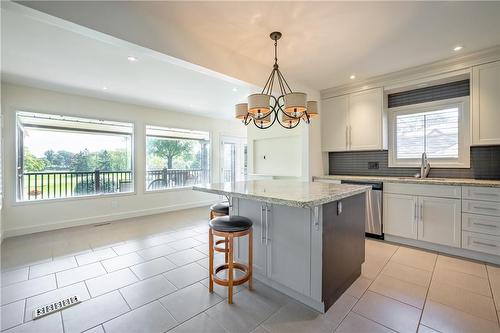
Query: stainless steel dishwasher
{"x": 373, "y": 223}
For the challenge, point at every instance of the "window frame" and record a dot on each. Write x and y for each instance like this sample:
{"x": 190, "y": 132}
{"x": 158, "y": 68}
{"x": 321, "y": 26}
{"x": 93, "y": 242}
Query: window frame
{"x": 18, "y": 151}
{"x": 145, "y": 156}
{"x": 464, "y": 135}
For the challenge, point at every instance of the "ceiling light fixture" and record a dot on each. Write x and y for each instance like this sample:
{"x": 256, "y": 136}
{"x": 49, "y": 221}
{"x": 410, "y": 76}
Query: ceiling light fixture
{"x": 352, "y": 77}
{"x": 104, "y": 88}
{"x": 235, "y": 89}
{"x": 131, "y": 58}
{"x": 458, "y": 48}
{"x": 289, "y": 108}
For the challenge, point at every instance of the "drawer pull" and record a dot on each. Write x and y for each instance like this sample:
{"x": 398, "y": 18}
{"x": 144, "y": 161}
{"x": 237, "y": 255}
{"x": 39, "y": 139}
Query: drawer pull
{"x": 487, "y": 194}
{"x": 486, "y": 208}
{"x": 486, "y": 244}
{"x": 485, "y": 225}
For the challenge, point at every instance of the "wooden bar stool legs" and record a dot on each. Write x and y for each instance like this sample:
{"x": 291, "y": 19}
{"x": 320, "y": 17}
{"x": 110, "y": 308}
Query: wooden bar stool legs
{"x": 230, "y": 265}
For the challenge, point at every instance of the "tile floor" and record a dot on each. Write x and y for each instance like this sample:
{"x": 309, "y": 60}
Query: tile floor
{"x": 149, "y": 275}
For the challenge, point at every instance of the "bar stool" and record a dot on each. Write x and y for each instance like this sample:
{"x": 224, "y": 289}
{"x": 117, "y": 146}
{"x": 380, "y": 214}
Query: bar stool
{"x": 220, "y": 209}
{"x": 229, "y": 227}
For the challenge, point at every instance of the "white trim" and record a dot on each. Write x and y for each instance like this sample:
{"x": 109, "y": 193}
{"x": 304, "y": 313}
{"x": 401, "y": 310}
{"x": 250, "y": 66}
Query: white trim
{"x": 104, "y": 218}
{"x": 463, "y": 161}
{"x": 423, "y": 72}
{"x": 469, "y": 254}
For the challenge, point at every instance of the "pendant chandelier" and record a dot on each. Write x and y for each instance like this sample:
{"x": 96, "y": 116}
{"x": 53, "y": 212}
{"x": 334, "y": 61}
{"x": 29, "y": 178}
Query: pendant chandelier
{"x": 265, "y": 109}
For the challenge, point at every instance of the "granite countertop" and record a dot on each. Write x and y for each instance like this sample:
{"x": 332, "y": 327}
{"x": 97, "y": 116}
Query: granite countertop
{"x": 294, "y": 193}
{"x": 413, "y": 180}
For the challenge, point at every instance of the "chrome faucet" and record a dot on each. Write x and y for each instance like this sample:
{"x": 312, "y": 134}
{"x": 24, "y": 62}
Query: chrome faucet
{"x": 425, "y": 166}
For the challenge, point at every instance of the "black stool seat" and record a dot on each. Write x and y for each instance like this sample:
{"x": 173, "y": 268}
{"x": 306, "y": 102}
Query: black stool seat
{"x": 220, "y": 208}
{"x": 230, "y": 223}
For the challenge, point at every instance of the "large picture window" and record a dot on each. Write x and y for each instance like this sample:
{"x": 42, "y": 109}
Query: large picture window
{"x": 60, "y": 157}
{"x": 176, "y": 158}
{"x": 440, "y": 129}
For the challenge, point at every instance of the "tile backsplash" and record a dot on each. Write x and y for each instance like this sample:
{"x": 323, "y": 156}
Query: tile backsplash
{"x": 485, "y": 164}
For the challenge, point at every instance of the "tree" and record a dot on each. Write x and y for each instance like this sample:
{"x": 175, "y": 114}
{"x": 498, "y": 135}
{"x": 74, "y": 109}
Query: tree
{"x": 82, "y": 161}
{"x": 49, "y": 155}
{"x": 104, "y": 161}
{"x": 33, "y": 163}
{"x": 169, "y": 149}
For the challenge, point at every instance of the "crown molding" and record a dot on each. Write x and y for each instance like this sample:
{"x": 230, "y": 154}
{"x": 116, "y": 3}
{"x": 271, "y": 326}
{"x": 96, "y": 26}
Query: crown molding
{"x": 440, "y": 67}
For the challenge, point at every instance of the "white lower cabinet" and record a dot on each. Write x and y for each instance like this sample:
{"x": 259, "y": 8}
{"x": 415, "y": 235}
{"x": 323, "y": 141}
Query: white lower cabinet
{"x": 281, "y": 243}
{"x": 431, "y": 219}
{"x": 481, "y": 242}
{"x": 400, "y": 215}
{"x": 440, "y": 221}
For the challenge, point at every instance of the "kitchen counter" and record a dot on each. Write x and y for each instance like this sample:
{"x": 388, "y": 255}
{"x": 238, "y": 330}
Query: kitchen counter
{"x": 413, "y": 180}
{"x": 292, "y": 193}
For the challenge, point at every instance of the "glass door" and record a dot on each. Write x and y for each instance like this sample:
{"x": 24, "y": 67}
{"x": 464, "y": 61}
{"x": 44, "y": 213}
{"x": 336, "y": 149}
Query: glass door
{"x": 233, "y": 159}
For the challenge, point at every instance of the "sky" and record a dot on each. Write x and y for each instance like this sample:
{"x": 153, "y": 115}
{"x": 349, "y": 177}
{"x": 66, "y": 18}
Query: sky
{"x": 39, "y": 141}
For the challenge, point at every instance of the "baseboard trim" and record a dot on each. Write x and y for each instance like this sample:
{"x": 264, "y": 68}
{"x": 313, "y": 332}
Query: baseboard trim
{"x": 103, "y": 218}
{"x": 469, "y": 254}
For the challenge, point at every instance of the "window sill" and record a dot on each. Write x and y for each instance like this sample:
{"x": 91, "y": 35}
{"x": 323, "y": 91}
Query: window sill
{"x": 69, "y": 199}
{"x": 166, "y": 190}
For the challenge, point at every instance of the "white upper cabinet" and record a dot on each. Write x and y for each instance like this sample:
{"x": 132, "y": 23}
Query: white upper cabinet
{"x": 353, "y": 122}
{"x": 365, "y": 120}
{"x": 486, "y": 104}
{"x": 334, "y": 128}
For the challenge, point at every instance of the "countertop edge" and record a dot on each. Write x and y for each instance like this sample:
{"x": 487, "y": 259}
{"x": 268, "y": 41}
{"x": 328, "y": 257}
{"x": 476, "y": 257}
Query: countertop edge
{"x": 409, "y": 180}
{"x": 285, "y": 202}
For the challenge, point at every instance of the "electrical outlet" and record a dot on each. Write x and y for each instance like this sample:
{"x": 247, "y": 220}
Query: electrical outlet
{"x": 372, "y": 165}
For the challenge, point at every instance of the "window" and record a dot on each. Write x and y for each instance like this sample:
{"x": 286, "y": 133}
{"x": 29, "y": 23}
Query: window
{"x": 60, "y": 157}
{"x": 176, "y": 158}
{"x": 440, "y": 129}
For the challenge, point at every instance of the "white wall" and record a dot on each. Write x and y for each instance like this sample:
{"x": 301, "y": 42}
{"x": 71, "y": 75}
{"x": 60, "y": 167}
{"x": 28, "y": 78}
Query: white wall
{"x": 28, "y": 217}
{"x": 305, "y": 158}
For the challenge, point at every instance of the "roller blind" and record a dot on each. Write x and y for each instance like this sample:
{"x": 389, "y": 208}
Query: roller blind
{"x": 428, "y": 94}
{"x": 434, "y": 132}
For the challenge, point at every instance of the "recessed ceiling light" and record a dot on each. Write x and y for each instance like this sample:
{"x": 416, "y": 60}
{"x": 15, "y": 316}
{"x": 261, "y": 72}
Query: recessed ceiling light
{"x": 235, "y": 89}
{"x": 104, "y": 88}
{"x": 132, "y": 58}
{"x": 352, "y": 77}
{"x": 458, "y": 48}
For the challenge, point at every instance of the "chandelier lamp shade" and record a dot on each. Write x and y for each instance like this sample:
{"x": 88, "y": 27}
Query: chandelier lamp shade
{"x": 265, "y": 109}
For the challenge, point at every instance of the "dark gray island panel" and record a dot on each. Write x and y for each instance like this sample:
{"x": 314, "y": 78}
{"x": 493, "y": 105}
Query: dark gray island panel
{"x": 343, "y": 245}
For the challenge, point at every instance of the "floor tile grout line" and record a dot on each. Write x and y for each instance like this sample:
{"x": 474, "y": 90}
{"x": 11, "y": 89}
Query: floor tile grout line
{"x": 427, "y": 292}
{"x": 380, "y": 272}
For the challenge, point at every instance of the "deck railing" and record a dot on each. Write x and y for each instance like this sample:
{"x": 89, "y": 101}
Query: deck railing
{"x": 64, "y": 184}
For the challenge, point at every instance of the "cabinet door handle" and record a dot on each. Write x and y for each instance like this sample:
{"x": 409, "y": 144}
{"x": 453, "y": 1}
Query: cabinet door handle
{"x": 346, "y": 137}
{"x": 350, "y": 137}
{"x": 486, "y": 244}
{"x": 267, "y": 224}
{"x": 261, "y": 225}
{"x": 421, "y": 212}
{"x": 415, "y": 215}
{"x": 486, "y": 225}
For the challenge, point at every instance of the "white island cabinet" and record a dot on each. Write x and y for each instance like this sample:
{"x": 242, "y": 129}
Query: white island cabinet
{"x": 308, "y": 237}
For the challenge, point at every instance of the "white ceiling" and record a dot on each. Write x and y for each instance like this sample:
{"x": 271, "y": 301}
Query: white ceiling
{"x": 47, "y": 52}
{"x": 323, "y": 44}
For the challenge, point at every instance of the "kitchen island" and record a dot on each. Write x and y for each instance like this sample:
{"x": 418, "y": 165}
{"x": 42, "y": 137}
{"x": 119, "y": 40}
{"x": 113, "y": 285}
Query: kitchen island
{"x": 308, "y": 236}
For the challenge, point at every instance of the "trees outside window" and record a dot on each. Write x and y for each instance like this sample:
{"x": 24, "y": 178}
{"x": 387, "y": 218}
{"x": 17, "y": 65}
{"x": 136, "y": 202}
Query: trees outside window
{"x": 176, "y": 157}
